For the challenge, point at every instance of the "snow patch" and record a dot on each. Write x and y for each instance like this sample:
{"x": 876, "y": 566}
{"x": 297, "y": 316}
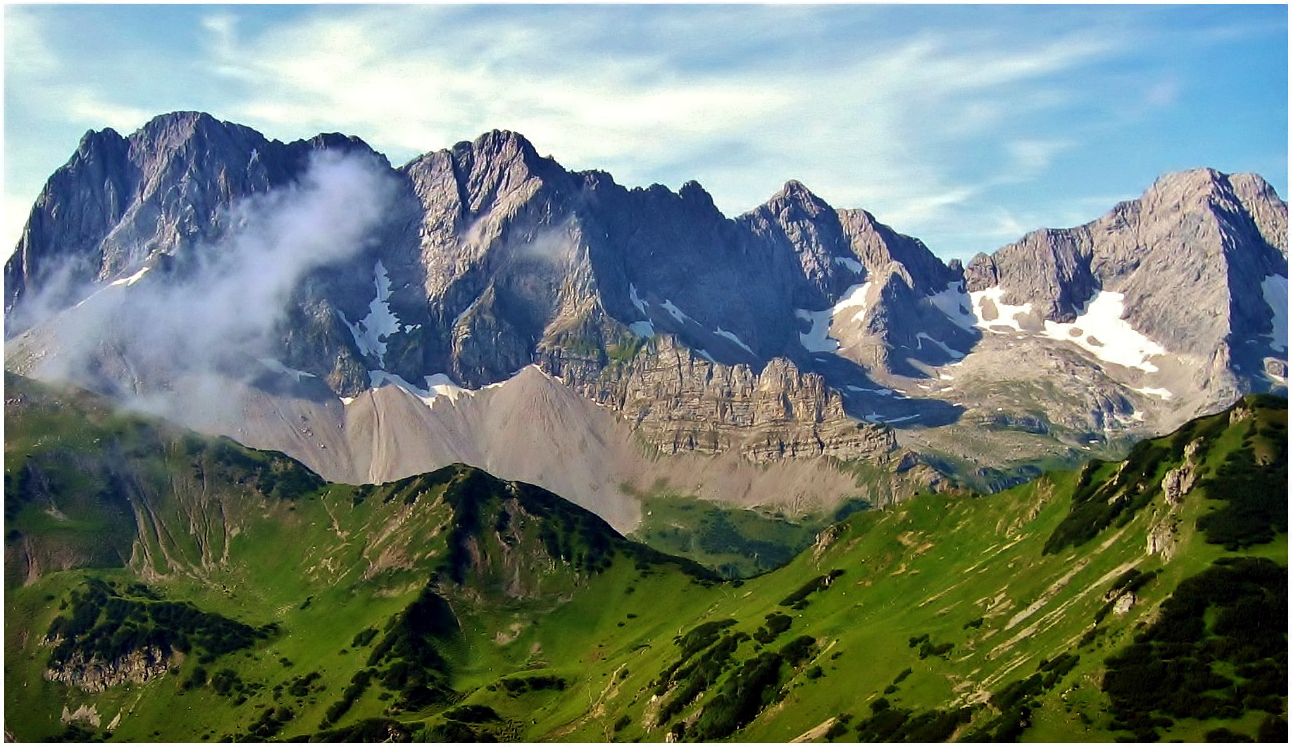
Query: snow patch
{"x": 817, "y": 339}
{"x": 144, "y": 271}
{"x": 371, "y": 332}
{"x": 705, "y": 354}
{"x": 955, "y": 304}
{"x": 850, "y": 263}
{"x": 676, "y": 313}
{"x": 875, "y": 417}
{"x": 854, "y": 297}
{"x": 1275, "y": 290}
{"x": 731, "y": 336}
{"x": 642, "y": 329}
{"x": 273, "y": 364}
{"x": 1114, "y": 339}
{"x": 443, "y": 386}
{"x": 1155, "y": 392}
{"x": 1005, "y": 313}
{"x": 880, "y": 392}
{"x": 1099, "y": 328}
{"x": 437, "y": 386}
{"x": 347, "y": 400}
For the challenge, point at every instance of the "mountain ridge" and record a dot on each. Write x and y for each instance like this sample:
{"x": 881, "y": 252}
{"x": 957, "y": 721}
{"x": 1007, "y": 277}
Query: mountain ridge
{"x": 489, "y": 257}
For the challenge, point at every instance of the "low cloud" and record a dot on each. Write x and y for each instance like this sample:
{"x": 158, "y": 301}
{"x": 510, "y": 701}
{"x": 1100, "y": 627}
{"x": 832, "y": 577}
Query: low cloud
{"x": 220, "y": 310}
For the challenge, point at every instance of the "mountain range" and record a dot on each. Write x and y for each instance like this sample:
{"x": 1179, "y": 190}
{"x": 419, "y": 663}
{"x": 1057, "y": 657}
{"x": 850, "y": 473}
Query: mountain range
{"x": 257, "y": 289}
{"x": 304, "y": 446}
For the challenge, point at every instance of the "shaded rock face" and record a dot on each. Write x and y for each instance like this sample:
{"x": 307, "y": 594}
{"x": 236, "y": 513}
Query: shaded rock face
{"x": 96, "y": 675}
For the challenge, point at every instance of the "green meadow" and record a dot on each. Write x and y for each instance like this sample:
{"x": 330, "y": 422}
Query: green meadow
{"x": 166, "y": 587}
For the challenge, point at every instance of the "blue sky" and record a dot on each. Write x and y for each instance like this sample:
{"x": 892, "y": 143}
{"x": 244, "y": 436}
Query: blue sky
{"x": 966, "y": 126}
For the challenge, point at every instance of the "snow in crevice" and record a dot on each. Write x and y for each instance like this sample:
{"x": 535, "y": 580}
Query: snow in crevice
{"x": 920, "y": 337}
{"x": 818, "y": 339}
{"x": 371, "y": 332}
{"x": 955, "y": 304}
{"x": 347, "y": 400}
{"x": 637, "y": 300}
{"x": 705, "y": 355}
{"x": 1275, "y": 290}
{"x": 850, "y": 264}
{"x": 470, "y": 307}
{"x": 853, "y": 298}
{"x": 273, "y": 364}
{"x": 732, "y": 336}
{"x": 144, "y": 271}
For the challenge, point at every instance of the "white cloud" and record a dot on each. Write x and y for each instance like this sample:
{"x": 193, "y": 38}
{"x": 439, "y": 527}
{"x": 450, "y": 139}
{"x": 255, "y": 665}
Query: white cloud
{"x": 921, "y": 122}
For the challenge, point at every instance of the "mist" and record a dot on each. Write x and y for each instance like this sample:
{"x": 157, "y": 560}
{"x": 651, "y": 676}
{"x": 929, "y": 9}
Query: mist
{"x": 219, "y": 314}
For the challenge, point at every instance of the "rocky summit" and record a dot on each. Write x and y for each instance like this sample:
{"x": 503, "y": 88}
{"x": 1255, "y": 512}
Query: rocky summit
{"x": 793, "y": 330}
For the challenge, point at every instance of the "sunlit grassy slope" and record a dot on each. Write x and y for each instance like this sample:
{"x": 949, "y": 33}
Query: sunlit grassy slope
{"x": 454, "y": 606}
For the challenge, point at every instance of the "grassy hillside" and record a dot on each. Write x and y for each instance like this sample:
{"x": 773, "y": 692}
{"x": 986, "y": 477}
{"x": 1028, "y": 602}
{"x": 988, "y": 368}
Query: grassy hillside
{"x": 256, "y": 602}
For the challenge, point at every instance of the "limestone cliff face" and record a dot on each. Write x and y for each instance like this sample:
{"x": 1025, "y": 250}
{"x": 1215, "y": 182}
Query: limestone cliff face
{"x": 679, "y": 402}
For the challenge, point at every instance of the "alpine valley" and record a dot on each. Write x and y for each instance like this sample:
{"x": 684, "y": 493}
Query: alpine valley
{"x": 300, "y": 445}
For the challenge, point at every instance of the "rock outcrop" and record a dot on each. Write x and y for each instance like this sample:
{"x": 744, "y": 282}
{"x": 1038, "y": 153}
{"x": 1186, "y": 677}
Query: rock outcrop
{"x": 96, "y": 675}
{"x": 1176, "y": 484}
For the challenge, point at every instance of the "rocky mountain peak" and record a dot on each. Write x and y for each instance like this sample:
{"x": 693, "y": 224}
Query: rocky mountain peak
{"x": 501, "y": 147}
{"x": 795, "y": 196}
{"x": 95, "y": 142}
{"x": 1187, "y": 261}
{"x": 878, "y": 245}
{"x": 693, "y": 192}
{"x": 198, "y": 133}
